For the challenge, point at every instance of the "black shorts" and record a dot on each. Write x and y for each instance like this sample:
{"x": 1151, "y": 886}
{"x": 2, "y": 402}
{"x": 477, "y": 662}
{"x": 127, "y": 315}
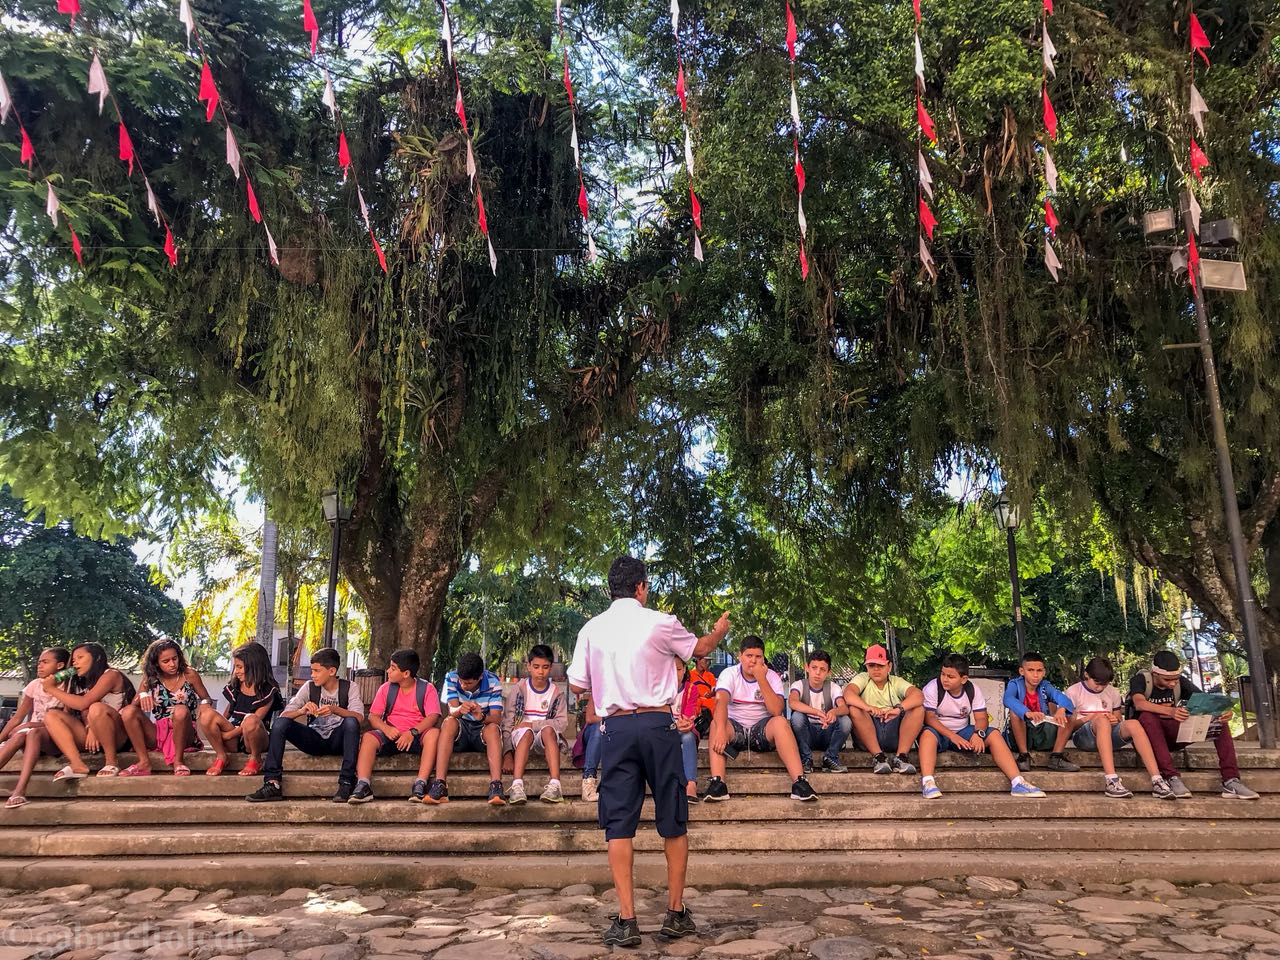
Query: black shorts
{"x": 470, "y": 738}
{"x": 387, "y": 747}
{"x": 639, "y": 750}
{"x": 751, "y": 738}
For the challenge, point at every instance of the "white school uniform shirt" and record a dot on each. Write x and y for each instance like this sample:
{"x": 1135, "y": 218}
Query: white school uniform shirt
{"x": 537, "y": 705}
{"x": 746, "y": 701}
{"x": 956, "y": 713}
{"x": 813, "y": 698}
{"x": 1106, "y": 700}
{"x": 626, "y": 657}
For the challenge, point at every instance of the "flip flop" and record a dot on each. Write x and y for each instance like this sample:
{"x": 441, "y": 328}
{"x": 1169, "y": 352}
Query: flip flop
{"x": 109, "y": 771}
{"x": 181, "y": 770}
{"x": 215, "y": 768}
{"x": 17, "y": 800}
{"x": 133, "y": 770}
{"x": 66, "y": 773}
{"x": 251, "y": 769}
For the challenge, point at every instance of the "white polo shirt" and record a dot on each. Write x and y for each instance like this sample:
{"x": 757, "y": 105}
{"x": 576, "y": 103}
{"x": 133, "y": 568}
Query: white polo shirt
{"x": 625, "y": 657}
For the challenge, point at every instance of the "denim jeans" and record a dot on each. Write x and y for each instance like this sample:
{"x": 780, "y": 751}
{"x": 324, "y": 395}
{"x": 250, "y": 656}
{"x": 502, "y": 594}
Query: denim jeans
{"x": 689, "y": 754}
{"x": 345, "y": 741}
{"x": 811, "y": 736}
{"x": 591, "y": 746}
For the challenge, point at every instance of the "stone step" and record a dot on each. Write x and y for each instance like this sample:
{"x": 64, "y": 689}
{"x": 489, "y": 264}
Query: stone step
{"x": 744, "y": 784}
{"x": 821, "y": 867}
{"x": 1210, "y": 812}
{"x": 471, "y": 839}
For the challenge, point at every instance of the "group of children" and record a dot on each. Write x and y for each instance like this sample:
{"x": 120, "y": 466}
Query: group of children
{"x": 79, "y": 703}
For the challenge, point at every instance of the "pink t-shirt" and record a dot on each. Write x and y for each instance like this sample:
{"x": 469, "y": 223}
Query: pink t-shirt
{"x": 404, "y": 713}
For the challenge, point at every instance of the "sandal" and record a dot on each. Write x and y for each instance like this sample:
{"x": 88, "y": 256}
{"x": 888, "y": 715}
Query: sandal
{"x": 66, "y": 773}
{"x": 251, "y": 769}
{"x": 215, "y": 768}
{"x": 17, "y": 800}
{"x": 109, "y": 771}
{"x": 181, "y": 770}
{"x": 133, "y": 770}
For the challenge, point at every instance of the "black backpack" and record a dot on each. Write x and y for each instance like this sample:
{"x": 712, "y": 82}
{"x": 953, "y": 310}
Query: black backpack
{"x": 394, "y": 692}
{"x": 313, "y": 694}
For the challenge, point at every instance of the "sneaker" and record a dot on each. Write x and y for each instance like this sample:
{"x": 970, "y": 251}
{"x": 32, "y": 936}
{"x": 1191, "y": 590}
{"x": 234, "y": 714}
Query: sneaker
{"x": 678, "y": 924}
{"x": 270, "y": 790}
{"x": 1161, "y": 790}
{"x": 1116, "y": 789}
{"x": 553, "y": 794}
{"x": 800, "y": 790}
{"x": 419, "y": 791}
{"x": 929, "y": 790}
{"x": 833, "y": 766}
{"x": 902, "y": 765}
{"x": 515, "y": 795}
{"x": 1025, "y": 789}
{"x": 1179, "y": 788}
{"x": 1059, "y": 763}
{"x": 881, "y": 764}
{"x": 363, "y": 793}
{"x": 694, "y": 797}
{"x": 342, "y": 794}
{"x": 437, "y": 792}
{"x": 717, "y": 790}
{"x": 590, "y": 789}
{"x": 622, "y": 933}
{"x": 1233, "y": 789}
{"x": 806, "y": 766}
{"x": 1024, "y": 762}
{"x": 495, "y": 794}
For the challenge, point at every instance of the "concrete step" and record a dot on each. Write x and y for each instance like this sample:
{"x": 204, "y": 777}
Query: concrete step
{"x": 820, "y": 867}
{"x": 1210, "y": 812}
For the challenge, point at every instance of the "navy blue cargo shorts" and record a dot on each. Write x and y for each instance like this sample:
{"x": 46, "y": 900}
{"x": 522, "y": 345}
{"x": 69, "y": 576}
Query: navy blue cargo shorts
{"x": 642, "y": 749}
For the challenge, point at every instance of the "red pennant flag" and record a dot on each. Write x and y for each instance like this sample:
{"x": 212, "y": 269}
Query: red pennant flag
{"x": 72, "y": 7}
{"x": 1050, "y": 217}
{"x": 799, "y": 173}
{"x": 1048, "y": 7}
{"x": 377, "y": 248}
{"x": 1050, "y": 117}
{"x": 582, "y": 199}
{"x": 1198, "y": 159}
{"x": 310, "y": 25}
{"x": 28, "y": 152}
{"x": 568, "y": 84}
{"x": 459, "y": 109}
{"x": 208, "y": 90}
{"x": 1193, "y": 261}
{"x": 75, "y": 241}
{"x": 171, "y": 248}
{"x": 915, "y": 4}
{"x": 480, "y": 217}
{"x": 344, "y": 153}
{"x": 926, "y": 121}
{"x": 684, "y": 104}
{"x": 791, "y": 34}
{"x": 804, "y": 262}
{"x": 927, "y": 220}
{"x": 696, "y": 207}
{"x": 254, "y": 210}
{"x": 126, "y": 148}
{"x": 1199, "y": 40}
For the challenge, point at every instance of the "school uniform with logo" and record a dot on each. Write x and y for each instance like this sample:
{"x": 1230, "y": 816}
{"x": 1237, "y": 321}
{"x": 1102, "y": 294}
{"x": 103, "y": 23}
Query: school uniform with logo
{"x": 748, "y": 715}
{"x": 810, "y": 733}
{"x": 955, "y": 712}
{"x": 526, "y": 711}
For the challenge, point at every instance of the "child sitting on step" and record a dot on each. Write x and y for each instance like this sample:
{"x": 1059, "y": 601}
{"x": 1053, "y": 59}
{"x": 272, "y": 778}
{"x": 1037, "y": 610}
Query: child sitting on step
{"x": 686, "y": 707}
{"x": 405, "y": 717}
{"x": 25, "y": 729}
{"x": 90, "y": 719}
{"x": 164, "y": 715}
{"x": 1039, "y": 715}
{"x": 253, "y": 697}
{"x": 588, "y": 748}
{"x": 534, "y": 715}
{"x": 473, "y": 724}
{"x": 956, "y": 719}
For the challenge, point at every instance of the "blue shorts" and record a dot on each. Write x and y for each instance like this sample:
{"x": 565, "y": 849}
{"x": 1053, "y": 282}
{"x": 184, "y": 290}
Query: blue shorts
{"x": 470, "y": 738}
{"x": 945, "y": 744}
{"x": 642, "y": 749}
{"x": 887, "y": 732}
{"x": 1085, "y": 739}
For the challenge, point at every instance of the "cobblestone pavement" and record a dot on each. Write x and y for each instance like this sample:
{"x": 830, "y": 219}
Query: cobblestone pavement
{"x": 975, "y": 917}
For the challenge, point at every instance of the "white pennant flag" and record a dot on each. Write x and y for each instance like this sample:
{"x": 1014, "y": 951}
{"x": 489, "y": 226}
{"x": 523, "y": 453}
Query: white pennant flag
{"x": 233, "y": 153}
{"x": 471, "y": 165}
{"x": 1050, "y": 172}
{"x": 6, "y": 101}
{"x": 573, "y": 141}
{"x": 1124, "y": 154}
{"x": 1193, "y": 213}
{"x": 795, "y": 111}
{"x": 98, "y": 82}
{"x": 1050, "y": 51}
{"x": 804, "y": 224}
{"x": 1198, "y": 109}
{"x": 493, "y": 258}
{"x": 446, "y": 31}
{"x": 364, "y": 208}
{"x": 271, "y": 244}
{"x": 688, "y": 150}
{"x": 329, "y": 99}
{"x": 592, "y": 252}
{"x": 675, "y": 17}
{"x": 919, "y": 61}
{"x": 697, "y": 247}
{"x": 187, "y": 19}
{"x": 926, "y": 259}
{"x": 152, "y": 204}
{"x": 926, "y": 178}
{"x": 51, "y": 206}
{"x": 1051, "y": 261}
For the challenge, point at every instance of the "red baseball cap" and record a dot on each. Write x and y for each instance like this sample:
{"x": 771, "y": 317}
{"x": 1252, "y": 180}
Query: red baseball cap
{"x": 876, "y": 654}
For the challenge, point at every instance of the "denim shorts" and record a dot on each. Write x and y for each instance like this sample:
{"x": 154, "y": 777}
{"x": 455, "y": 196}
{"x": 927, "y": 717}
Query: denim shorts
{"x": 1085, "y": 739}
{"x": 944, "y": 744}
{"x": 750, "y": 738}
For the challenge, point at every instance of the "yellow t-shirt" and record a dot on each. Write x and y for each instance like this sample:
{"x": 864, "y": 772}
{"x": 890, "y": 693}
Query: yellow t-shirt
{"x": 881, "y": 698}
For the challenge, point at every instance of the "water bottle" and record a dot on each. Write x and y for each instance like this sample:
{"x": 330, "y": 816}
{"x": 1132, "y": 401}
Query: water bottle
{"x": 65, "y": 674}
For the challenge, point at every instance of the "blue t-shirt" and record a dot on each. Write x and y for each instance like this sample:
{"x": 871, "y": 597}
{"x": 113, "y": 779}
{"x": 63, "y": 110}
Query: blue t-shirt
{"x": 488, "y": 693}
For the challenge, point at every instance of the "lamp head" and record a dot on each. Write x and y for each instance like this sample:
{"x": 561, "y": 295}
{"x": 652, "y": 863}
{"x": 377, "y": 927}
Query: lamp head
{"x": 329, "y": 503}
{"x": 1006, "y": 512}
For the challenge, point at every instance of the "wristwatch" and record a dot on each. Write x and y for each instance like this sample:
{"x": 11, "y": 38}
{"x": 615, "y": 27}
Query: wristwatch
{"x": 982, "y": 734}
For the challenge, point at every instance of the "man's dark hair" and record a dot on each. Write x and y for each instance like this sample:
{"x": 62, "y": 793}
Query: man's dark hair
{"x": 470, "y": 666}
{"x": 625, "y": 574}
{"x": 408, "y": 661}
{"x": 751, "y": 642}
{"x": 821, "y": 655}
{"x": 1099, "y": 670}
{"x": 327, "y": 657}
{"x": 540, "y": 651}
{"x": 1167, "y": 660}
{"x": 1032, "y": 657}
{"x": 957, "y": 662}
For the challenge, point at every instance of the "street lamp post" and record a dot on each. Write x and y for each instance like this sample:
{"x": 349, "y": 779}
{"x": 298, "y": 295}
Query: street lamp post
{"x": 1192, "y": 622}
{"x": 1007, "y": 517}
{"x": 336, "y": 513}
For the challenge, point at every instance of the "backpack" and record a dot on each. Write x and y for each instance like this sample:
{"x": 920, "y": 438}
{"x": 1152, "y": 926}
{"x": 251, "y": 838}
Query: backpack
{"x": 1149, "y": 686}
{"x": 313, "y": 694}
{"x": 967, "y": 690}
{"x": 828, "y": 701}
{"x": 394, "y": 692}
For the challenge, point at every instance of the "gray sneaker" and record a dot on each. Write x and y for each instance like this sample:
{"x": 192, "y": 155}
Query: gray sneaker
{"x": 1161, "y": 790}
{"x": 833, "y": 766}
{"x": 1179, "y": 788}
{"x": 1233, "y": 789}
{"x": 881, "y": 765}
{"x": 516, "y": 794}
{"x": 552, "y": 794}
{"x": 902, "y": 766}
{"x": 1116, "y": 789}
{"x": 1060, "y": 763}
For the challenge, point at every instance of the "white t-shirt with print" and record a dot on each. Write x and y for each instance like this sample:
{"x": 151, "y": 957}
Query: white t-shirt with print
{"x": 956, "y": 713}
{"x": 1106, "y": 700}
{"x": 537, "y": 705}
{"x": 41, "y": 700}
{"x": 813, "y": 698}
{"x": 746, "y": 702}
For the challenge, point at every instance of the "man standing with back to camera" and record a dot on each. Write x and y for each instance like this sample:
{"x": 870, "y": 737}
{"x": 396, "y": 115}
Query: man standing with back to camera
{"x": 624, "y": 658}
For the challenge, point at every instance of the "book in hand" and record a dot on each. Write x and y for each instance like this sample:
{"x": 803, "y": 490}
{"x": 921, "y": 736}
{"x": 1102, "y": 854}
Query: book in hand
{"x": 1050, "y": 720}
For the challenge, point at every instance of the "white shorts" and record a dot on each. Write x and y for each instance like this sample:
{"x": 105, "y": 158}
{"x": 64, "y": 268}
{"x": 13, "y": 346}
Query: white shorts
{"x": 519, "y": 733}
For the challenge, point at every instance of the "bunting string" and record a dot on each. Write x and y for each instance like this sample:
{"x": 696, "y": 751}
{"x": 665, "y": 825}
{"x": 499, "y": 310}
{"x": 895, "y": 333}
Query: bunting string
{"x": 796, "y": 130}
{"x": 925, "y": 131}
{"x": 1050, "y": 119}
{"x": 27, "y": 157}
{"x": 583, "y": 208}
{"x": 682, "y": 94}
{"x": 1198, "y": 42}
